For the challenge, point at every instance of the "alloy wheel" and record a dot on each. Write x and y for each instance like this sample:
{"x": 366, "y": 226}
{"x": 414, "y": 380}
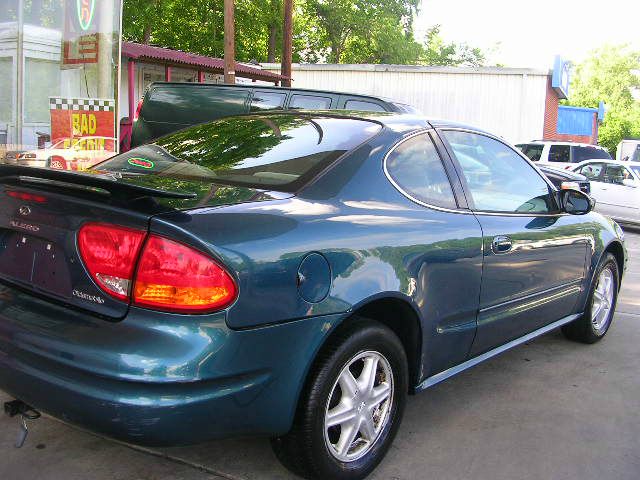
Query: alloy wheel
{"x": 602, "y": 300}
{"x": 358, "y": 406}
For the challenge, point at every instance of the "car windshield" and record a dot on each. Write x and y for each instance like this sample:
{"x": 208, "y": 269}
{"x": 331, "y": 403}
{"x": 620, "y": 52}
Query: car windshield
{"x": 587, "y": 153}
{"x": 636, "y": 170}
{"x": 272, "y": 152}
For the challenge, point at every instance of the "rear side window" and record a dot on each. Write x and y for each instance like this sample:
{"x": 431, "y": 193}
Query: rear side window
{"x": 189, "y": 104}
{"x": 532, "y": 150}
{"x": 559, "y": 153}
{"x": 310, "y": 102}
{"x": 267, "y": 100}
{"x": 273, "y": 152}
{"x": 580, "y": 154}
{"x": 363, "y": 106}
{"x": 417, "y": 169}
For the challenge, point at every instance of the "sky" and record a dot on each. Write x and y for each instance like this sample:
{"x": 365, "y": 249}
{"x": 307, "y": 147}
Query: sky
{"x": 530, "y": 33}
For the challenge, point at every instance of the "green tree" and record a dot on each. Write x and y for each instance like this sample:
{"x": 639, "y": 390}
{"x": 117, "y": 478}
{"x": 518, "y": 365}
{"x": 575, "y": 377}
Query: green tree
{"x": 438, "y": 52}
{"x": 363, "y": 30}
{"x": 610, "y": 74}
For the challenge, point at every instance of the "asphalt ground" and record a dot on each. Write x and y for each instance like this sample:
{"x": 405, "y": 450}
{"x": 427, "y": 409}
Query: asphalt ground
{"x": 549, "y": 409}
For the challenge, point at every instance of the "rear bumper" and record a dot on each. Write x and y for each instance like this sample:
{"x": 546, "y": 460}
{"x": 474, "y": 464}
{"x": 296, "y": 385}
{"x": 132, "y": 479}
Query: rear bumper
{"x": 155, "y": 379}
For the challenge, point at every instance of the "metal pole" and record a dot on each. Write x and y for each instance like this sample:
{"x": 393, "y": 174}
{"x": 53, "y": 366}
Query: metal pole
{"x": 20, "y": 75}
{"x": 287, "y": 33}
{"x": 229, "y": 43}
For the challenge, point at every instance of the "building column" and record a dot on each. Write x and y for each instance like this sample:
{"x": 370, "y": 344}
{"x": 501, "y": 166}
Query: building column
{"x": 167, "y": 73}
{"x": 200, "y": 76}
{"x": 131, "y": 85}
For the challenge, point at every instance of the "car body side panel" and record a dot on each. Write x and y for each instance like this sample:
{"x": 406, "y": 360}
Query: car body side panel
{"x": 377, "y": 242}
{"x": 535, "y": 283}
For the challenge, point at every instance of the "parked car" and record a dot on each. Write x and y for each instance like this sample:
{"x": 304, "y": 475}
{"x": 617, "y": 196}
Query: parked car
{"x": 70, "y": 153}
{"x": 628, "y": 150}
{"x": 167, "y": 107}
{"x": 288, "y": 274}
{"x": 565, "y": 179}
{"x": 616, "y": 187}
{"x": 562, "y": 152}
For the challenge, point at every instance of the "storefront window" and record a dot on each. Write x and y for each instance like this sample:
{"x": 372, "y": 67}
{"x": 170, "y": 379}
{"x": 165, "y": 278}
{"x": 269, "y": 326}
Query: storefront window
{"x": 59, "y": 67}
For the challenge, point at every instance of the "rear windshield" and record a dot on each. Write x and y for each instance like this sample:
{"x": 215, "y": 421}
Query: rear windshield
{"x": 272, "y": 152}
{"x": 587, "y": 153}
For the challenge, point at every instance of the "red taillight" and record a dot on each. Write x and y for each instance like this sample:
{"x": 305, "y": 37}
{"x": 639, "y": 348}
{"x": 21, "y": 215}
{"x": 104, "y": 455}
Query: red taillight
{"x": 28, "y": 197}
{"x": 170, "y": 276}
{"x": 109, "y": 252}
{"x": 174, "y": 277}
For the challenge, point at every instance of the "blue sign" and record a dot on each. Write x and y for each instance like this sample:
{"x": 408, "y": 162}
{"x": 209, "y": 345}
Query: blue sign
{"x": 560, "y": 77}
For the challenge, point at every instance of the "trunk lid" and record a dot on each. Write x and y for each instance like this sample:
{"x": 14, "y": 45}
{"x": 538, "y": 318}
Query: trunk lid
{"x": 42, "y": 210}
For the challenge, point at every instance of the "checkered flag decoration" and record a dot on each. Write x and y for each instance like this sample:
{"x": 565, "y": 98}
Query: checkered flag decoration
{"x": 82, "y": 104}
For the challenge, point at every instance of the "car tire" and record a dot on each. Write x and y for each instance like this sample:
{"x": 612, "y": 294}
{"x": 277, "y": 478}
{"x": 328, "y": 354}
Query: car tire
{"x": 316, "y": 449}
{"x": 601, "y": 304}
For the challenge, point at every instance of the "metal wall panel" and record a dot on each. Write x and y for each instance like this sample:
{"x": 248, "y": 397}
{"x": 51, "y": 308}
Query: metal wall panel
{"x": 507, "y": 102}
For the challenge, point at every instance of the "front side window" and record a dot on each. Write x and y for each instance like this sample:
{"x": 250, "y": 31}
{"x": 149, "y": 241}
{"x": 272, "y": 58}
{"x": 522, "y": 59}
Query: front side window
{"x": 532, "y": 150}
{"x": 416, "y": 168}
{"x": 591, "y": 170}
{"x": 616, "y": 174}
{"x": 559, "y": 153}
{"x": 497, "y": 178}
{"x": 310, "y": 102}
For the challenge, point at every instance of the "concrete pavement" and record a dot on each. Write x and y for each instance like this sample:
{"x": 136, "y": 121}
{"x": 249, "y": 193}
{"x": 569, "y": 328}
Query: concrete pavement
{"x": 550, "y": 409}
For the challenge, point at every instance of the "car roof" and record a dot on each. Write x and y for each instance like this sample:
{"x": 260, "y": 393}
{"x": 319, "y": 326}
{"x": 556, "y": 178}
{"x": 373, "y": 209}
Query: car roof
{"x": 604, "y": 160}
{"x": 395, "y": 121}
{"x": 279, "y": 88}
{"x": 553, "y": 142}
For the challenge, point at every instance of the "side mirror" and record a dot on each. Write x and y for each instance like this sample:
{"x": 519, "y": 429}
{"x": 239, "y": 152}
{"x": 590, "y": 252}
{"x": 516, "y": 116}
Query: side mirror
{"x": 576, "y": 202}
{"x": 629, "y": 182}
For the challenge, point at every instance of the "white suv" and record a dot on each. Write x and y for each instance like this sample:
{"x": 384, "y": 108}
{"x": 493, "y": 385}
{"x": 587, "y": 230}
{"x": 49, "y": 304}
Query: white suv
{"x": 562, "y": 152}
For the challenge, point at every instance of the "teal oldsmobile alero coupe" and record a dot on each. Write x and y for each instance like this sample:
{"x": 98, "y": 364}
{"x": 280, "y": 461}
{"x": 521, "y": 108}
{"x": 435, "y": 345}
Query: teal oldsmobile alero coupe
{"x": 293, "y": 275}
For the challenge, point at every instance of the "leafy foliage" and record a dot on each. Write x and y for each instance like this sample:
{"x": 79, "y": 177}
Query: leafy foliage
{"x": 337, "y": 31}
{"x": 610, "y": 74}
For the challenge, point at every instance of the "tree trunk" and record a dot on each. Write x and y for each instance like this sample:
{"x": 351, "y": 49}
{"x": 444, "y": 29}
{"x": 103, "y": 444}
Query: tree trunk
{"x": 146, "y": 34}
{"x": 272, "y": 45}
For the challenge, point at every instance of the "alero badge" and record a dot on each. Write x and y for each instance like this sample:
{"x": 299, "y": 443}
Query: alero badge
{"x": 140, "y": 162}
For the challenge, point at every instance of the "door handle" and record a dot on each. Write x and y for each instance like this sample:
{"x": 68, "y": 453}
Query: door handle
{"x": 501, "y": 244}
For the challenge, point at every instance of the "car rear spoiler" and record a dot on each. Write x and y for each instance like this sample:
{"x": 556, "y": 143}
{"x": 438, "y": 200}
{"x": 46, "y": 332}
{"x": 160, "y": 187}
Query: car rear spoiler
{"x": 91, "y": 179}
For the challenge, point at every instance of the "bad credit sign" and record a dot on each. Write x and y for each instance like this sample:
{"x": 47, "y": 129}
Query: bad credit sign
{"x": 78, "y": 118}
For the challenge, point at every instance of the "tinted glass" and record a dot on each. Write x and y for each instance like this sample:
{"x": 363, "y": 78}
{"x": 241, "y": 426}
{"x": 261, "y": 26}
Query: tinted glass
{"x": 363, "y": 106}
{"x": 580, "y": 154}
{"x": 310, "y": 102}
{"x": 616, "y": 174}
{"x": 533, "y": 151}
{"x": 275, "y": 152}
{"x": 636, "y": 169}
{"x": 591, "y": 170}
{"x": 497, "y": 177}
{"x": 416, "y": 168}
{"x": 267, "y": 100}
{"x": 403, "y": 107}
{"x": 559, "y": 153}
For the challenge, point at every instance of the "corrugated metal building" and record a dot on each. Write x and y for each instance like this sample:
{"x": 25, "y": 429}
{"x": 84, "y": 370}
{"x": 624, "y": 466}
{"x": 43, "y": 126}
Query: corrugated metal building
{"x": 507, "y": 101}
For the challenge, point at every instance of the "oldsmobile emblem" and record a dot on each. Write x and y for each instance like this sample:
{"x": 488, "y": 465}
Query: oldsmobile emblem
{"x": 24, "y": 210}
